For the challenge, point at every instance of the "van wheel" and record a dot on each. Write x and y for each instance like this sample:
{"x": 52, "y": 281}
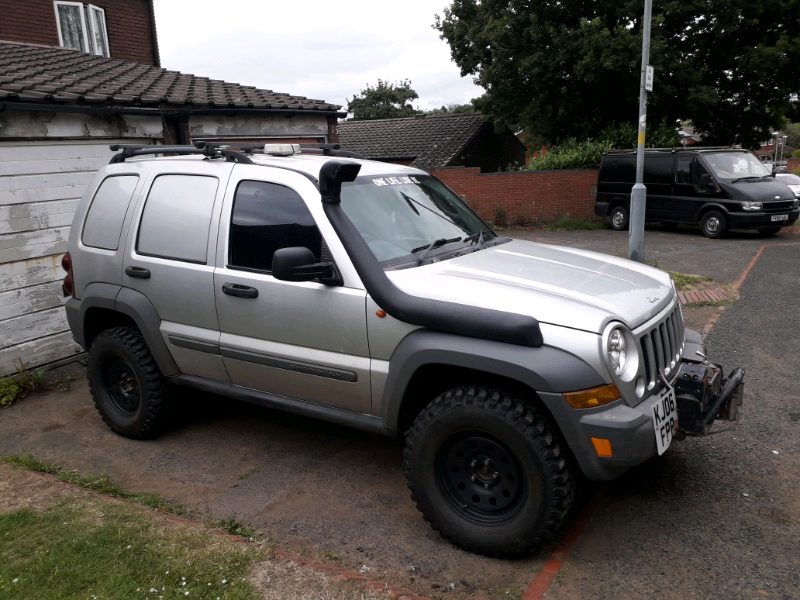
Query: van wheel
{"x": 129, "y": 391}
{"x": 769, "y": 231}
{"x": 488, "y": 471}
{"x": 714, "y": 224}
{"x": 619, "y": 218}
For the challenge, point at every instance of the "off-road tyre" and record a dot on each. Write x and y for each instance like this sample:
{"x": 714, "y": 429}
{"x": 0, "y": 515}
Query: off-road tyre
{"x": 454, "y": 436}
{"x": 714, "y": 224}
{"x": 768, "y": 231}
{"x": 618, "y": 217}
{"x": 128, "y": 390}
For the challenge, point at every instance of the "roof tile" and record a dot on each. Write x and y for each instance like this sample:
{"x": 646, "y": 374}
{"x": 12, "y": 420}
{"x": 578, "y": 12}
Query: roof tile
{"x": 42, "y": 73}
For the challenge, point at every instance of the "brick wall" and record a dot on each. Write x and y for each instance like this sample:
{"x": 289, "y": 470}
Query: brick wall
{"x": 525, "y": 197}
{"x": 127, "y": 22}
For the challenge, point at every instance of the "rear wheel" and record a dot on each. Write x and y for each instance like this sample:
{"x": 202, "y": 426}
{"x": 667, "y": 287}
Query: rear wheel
{"x": 769, "y": 231}
{"x": 128, "y": 389}
{"x": 488, "y": 471}
{"x": 619, "y": 218}
{"x": 714, "y": 224}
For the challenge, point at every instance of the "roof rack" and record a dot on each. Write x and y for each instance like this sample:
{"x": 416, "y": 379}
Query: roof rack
{"x": 209, "y": 150}
{"x": 328, "y": 150}
{"x": 673, "y": 149}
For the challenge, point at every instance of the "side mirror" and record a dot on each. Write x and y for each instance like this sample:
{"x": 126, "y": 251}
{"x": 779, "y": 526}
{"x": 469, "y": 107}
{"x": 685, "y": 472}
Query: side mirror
{"x": 298, "y": 264}
{"x": 705, "y": 181}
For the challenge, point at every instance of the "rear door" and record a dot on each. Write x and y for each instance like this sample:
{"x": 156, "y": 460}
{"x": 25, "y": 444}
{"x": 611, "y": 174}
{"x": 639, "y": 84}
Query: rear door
{"x": 658, "y": 169}
{"x": 301, "y": 340}
{"x": 170, "y": 257}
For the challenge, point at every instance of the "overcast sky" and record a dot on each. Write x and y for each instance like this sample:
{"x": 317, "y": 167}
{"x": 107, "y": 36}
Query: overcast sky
{"x": 323, "y": 50}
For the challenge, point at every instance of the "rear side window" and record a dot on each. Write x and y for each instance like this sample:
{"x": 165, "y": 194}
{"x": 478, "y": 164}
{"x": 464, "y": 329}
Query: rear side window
{"x": 267, "y": 217}
{"x": 103, "y": 224}
{"x": 658, "y": 169}
{"x": 619, "y": 169}
{"x": 176, "y": 217}
{"x": 682, "y": 170}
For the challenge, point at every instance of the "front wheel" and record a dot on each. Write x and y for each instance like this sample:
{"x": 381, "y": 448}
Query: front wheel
{"x": 619, "y": 218}
{"x": 714, "y": 224}
{"x": 488, "y": 471}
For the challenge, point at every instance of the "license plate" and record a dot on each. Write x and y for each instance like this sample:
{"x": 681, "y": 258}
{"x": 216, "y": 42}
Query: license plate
{"x": 779, "y": 217}
{"x": 665, "y": 418}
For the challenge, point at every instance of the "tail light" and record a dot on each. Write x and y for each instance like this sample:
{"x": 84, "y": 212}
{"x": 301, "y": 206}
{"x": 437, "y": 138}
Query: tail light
{"x": 68, "y": 287}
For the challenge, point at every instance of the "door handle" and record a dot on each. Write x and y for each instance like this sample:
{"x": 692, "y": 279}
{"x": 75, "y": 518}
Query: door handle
{"x": 240, "y": 291}
{"x": 137, "y": 273}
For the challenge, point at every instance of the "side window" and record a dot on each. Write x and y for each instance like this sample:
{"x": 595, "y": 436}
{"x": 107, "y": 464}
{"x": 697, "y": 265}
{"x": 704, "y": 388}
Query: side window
{"x": 267, "y": 217}
{"x": 81, "y": 27}
{"x": 103, "y": 224}
{"x": 682, "y": 169}
{"x": 697, "y": 170}
{"x": 176, "y": 217}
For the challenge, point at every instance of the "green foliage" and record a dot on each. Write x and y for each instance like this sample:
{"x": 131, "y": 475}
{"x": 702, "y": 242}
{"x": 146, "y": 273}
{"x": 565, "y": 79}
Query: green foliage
{"x": 572, "y": 224}
{"x": 575, "y": 154}
{"x": 92, "y": 549}
{"x": 792, "y": 133}
{"x": 571, "y": 69}
{"x": 796, "y": 153}
{"x": 452, "y": 109}
{"x": 384, "y": 101}
{"x": 100, "y": 484}
{"x": 14, "y": 387}
{"x": 683, "y": 281}
{"x": 233, "y": 527}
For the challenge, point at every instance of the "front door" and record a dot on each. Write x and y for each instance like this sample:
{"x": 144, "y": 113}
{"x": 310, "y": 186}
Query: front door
{"x": 302, "y": 340}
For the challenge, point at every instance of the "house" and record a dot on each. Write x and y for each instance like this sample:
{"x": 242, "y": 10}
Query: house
{"x": 434, "y": 142}
{"x": 75, "y": 78}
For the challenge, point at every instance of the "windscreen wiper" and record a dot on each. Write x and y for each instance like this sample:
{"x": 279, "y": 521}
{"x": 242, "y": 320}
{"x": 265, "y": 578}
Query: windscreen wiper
{"x": 479, "y": 237}
{"x": 431, "y": 246}
{"x": 749, "y": 177}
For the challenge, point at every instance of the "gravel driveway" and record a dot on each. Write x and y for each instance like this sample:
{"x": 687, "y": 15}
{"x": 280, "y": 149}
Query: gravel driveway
{"x": 715, "y": 517}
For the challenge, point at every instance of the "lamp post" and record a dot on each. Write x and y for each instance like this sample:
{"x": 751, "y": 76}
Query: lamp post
{"x": 639, "y": 191}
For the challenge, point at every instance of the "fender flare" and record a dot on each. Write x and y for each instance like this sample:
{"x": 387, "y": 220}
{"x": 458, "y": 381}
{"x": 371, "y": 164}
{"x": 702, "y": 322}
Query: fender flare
{"x": 134, "y": 305}
{"x": 544, "y": 368}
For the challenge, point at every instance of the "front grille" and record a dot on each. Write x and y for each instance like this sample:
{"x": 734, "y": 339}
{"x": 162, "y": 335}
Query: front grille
{"x": 782, "y": 206}
{"x": 662, "y": 346}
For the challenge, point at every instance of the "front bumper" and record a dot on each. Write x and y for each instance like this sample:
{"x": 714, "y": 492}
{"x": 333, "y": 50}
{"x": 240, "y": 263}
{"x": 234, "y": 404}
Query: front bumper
{"x": 761, "y": 220}
{"x": 630, "y": 429}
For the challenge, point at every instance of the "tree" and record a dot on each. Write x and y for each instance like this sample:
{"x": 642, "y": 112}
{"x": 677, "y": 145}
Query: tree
{"x": 452, "y": 109}
{"x": 384, "y": 101}
{"x": 571, "y": 68}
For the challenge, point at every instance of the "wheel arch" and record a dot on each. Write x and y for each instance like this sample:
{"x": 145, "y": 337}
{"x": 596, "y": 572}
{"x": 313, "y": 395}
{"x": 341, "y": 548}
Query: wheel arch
{"x": 709, "y": 207}
{"x": 427, "y": 363}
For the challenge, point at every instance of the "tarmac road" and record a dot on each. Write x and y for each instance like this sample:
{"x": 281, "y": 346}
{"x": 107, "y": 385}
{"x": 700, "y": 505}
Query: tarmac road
{"x": 678, "y": 526}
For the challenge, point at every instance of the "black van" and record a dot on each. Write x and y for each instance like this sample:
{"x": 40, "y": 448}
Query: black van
{"x": 715, "y": 188}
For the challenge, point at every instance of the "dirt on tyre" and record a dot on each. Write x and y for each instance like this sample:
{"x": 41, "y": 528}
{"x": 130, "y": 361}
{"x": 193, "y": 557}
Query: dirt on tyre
{"x": 128, "y": 390}
{"x": 618, "y": 217}
{"x": 488, "y": 471}
{"x": 714, "y": 224}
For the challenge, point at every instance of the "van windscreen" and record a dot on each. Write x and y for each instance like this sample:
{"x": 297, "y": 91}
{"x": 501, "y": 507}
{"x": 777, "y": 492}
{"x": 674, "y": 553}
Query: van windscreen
{"x": 734, "y": 165}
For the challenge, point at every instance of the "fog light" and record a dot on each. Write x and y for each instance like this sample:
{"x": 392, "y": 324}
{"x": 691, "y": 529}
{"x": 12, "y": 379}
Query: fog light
{"x": 602, "y": 447}
{"x": 593, "y": 397}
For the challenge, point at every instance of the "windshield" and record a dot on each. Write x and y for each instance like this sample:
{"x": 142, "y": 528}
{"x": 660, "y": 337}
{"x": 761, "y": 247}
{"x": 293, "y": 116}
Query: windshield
{"x": 398, "y": 215}
{"x": 788, "y": 178}
{"x": 735, "y": 165}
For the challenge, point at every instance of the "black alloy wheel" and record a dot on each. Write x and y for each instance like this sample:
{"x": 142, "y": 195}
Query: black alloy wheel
{"x": 121, "y": 386}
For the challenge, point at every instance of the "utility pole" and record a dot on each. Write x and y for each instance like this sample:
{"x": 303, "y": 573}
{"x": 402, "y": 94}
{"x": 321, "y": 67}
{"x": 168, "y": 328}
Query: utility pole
{"x": 639, "y": 192}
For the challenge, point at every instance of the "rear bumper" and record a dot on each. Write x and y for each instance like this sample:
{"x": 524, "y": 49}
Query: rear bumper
{"x": 601, "y": 209}
{"x": 760, "y": 220}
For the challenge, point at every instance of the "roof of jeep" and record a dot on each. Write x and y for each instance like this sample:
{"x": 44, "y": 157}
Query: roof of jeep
{"x": 309, "y": 164}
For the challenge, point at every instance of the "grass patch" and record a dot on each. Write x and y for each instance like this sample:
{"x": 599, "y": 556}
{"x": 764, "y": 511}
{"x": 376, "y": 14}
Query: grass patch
{"x": 332, "y": 556}
{"x": 14, "y": 387}
{"x": 727, "y": 302}
{"x": 233, "y": 527}
{"x": 87, "y": 548}
{"x": 101, "y": 484}
{"x": 572, "y": 224}
{"x": 682, "y": 280}
{"x": 249, "y": 472}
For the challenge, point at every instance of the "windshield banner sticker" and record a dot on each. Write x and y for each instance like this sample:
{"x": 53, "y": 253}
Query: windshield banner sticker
{"x": 381, "y": 181}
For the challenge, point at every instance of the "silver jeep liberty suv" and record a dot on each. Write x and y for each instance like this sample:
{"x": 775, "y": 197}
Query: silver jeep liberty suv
{"x": 369, "y": 294}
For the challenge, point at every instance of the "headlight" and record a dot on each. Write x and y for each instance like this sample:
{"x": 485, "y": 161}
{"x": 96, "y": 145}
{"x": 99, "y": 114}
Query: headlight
{"x": 617, "y": 351}
{"x": 752, "y": 206}
{"x": 796, "y": 204}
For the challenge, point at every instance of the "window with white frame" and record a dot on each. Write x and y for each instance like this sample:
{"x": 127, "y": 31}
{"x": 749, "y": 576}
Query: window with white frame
{"x": 82, "y": 27}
